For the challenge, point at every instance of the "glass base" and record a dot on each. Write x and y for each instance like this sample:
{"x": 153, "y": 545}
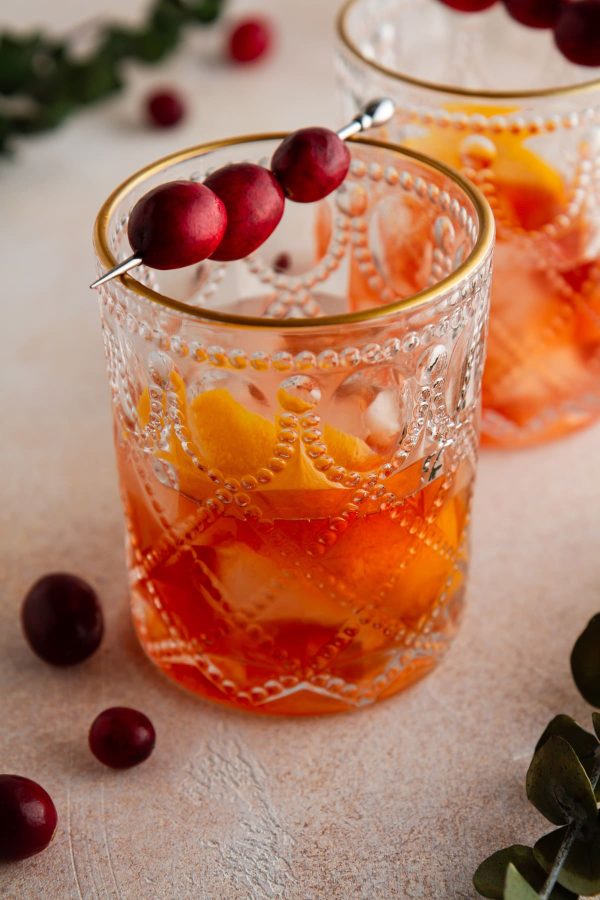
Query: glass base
{"x": 199, "y": 673}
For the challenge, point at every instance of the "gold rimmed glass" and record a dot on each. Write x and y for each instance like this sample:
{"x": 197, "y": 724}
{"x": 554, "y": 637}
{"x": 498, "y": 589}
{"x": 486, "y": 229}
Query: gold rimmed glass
{"x": 297, "y": 434}
{"x": 498, "y": 102}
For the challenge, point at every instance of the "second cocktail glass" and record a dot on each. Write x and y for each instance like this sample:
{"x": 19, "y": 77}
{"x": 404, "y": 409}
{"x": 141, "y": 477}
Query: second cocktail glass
{"x": 297, "y": 434}
{"x": 498, "y": 102}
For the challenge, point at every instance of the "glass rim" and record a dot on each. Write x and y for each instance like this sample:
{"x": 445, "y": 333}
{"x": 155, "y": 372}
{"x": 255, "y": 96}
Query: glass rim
{"x": 480, "y": 250}
{"x": 441, "y": 88}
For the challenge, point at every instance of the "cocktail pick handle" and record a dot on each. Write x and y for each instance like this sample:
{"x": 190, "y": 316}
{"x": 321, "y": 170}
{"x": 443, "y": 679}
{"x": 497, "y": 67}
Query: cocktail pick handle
{"x": 372, "y": 115}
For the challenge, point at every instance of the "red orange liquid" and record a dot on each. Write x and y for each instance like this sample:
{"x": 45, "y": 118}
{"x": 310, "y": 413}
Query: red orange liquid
{"x": 289, "y": 614}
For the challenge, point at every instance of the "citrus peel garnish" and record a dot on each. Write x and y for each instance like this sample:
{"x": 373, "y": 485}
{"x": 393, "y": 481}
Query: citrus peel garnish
{"x": 227, "y": 437}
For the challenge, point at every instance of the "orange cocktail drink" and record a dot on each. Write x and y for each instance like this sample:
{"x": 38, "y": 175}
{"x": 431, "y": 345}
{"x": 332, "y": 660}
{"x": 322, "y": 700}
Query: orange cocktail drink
{"x": 296, "y": 478}
{"x": 496, "y": 101}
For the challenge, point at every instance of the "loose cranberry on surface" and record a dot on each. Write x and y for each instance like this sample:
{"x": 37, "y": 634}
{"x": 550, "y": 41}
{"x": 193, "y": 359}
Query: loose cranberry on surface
{"x": 254, "y": 202}
{"x": 577, "y": 32}
{"x": 121, "y": 737}
{"x": 310, "y": 164}
{"x": 249, "y": 39}
{"x": 165, "y": 108}
{"x": 534, "y": 13}
{"x": 177, "y": 224}
{"x": 27, "y": 818}
{"x": 468, "y": 6}
{"x": 62, "y": 619}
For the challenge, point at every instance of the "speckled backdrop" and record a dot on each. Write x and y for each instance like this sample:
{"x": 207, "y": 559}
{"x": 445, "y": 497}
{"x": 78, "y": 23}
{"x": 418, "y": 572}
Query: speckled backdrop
{"x": 402, "y": 800}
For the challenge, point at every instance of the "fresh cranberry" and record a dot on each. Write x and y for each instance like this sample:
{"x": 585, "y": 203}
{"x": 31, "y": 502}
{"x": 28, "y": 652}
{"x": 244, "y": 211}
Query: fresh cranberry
{"x": 282, "y": 262}
{"x": 177, "y": 224}
{"x": 468, "y": 6}
{"x": 254, "y": 202}
{"x": 534, "y": 13}
{"x": 577, "y": 32}
{"x": 27, "y": 818}
{"x": 121, "y": 737}
{"x": 310, "y": 164}
{"x": 249, "y": 39}
{"x": 165, "y": 108}
{"x": 62, "y": 619}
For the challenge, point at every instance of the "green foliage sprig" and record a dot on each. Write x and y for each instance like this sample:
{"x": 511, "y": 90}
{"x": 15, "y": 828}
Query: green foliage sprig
{"x": 43, "y": 80}
{"x": 563, "y": 783}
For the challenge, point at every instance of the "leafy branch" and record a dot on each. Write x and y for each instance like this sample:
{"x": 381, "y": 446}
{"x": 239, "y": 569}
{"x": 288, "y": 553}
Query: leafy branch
{"x": 563, "y": 783}
{"x": 44, "y": 80}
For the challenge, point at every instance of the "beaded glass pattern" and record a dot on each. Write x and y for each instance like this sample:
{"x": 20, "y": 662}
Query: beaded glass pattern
{"x": 297, "y": 436}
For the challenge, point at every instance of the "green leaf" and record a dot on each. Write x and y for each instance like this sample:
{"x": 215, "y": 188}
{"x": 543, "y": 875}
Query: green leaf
{"x": 558, "y": 786}
{"x": 17, "y": 62}
{"x": 206, "y": 11}
{"x": 585, "y": 662}
{"x": 93, "y": 79}
{"x": 516, "y": 888}
{"x": 581, "y": 870}
{"x": 117, "y": 43}
{"x": 151, "y": 45}
{"x": 490, "y": 877}
{"x": 583, "y": 742}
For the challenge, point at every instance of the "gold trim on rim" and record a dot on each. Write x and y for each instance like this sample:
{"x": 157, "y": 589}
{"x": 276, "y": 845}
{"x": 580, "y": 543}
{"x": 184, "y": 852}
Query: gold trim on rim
{"x": 346, "y": 40}
{"x": 107, "y": 260}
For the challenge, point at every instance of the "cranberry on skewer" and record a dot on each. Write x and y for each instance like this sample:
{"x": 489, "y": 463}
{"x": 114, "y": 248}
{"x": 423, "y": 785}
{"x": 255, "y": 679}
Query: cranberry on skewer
{"x": 534, "y": 13}
{"x": 468, "y": 6}
{"x": 254, "y": 202}
{"x": 177, "y": 224}
{"x": 577, "y": 32}
{"x": 313, "y": 162}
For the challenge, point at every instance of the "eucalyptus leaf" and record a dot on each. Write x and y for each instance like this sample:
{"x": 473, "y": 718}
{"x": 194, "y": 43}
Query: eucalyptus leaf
{"x": 490, "y": 877}
{"x": 583, "y": 742}
{"x": 585, "y": 662}
{"x": 558, "y": 786}
{"x": 580, "y": 872}
{"x": 516, "y": 888}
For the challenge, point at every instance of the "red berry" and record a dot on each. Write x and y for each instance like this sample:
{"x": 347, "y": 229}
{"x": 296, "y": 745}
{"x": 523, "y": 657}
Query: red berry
{"x": 534, "y": 13}
{"x": 282, "y": 262}
{"x": 249, "y": 40}
{"x": 177, "y": 224}
{"x": 165, "y": 108}
{"x": 27, "y": 818}
{"x": 310, "y": 164}
{"x": 62, "y": 619}
{"x": 577, "y": 32}
{"x": 468, "y": 6}
{"x": 121, "y": 737}
{"x": 254, "y": 202}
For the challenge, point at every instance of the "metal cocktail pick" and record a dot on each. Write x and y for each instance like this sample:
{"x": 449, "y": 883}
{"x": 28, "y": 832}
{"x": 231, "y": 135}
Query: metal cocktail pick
{"x": 372, "y": 115}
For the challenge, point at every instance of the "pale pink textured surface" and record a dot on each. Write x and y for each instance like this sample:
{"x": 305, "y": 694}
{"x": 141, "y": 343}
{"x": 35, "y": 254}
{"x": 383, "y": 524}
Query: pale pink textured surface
{"x": 402, "y": 800}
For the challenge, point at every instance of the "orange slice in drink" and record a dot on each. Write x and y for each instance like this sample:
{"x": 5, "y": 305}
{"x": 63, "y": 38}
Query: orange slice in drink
{"x": 530, "y": 192}
{"x": 237, "y": 442}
